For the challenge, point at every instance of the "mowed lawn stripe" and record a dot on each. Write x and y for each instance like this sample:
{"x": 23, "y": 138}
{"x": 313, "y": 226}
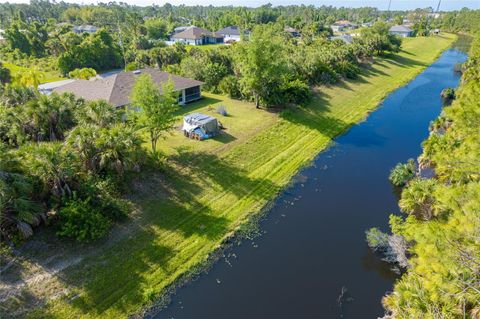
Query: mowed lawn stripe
{"x": 209, "y": 193}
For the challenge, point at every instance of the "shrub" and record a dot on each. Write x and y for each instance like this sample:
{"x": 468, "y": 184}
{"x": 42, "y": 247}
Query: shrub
{"x": 5, "y": 76}
{"x": 348, "y": 69}
{"x": 448, "y": 95}
{"x": 132, "y": 66}
{"x": 296, "y": 92}
{"x": 403, "y": 173}
{"x": 229, "y": 85}
{"x": 83, "y": 74}
{"x": 80, "y": 220}
{"x": 376, "y": 239}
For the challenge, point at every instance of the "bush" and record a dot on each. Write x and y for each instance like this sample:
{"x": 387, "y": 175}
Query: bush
{"x": 132, "y": 66}
{"x": 403, "y": 173}
{"x": 448, "y": 95}
{"x": 80, "y": 220}
{"x": 5, "y": 76}
{"x": 229, "y": 85}
{"x": 104, "y": 195}
{"x": 376, "y": 239}
{"x": 348, "y": 69}
{"x": 296, "y": 92}
{"x": 83, "y": 74}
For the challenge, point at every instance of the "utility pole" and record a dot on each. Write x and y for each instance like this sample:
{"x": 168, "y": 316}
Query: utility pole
{"x": 438, "y": 6}
{"x": 389, "y": 5}
{"x": 120, "y": 38}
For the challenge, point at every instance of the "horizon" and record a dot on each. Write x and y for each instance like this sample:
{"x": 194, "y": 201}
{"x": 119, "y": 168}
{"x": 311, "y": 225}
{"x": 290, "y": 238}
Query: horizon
{"x": 446, "y": 5}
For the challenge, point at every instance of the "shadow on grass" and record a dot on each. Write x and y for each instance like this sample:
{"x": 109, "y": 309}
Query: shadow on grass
{"x": 225, "y": 137}
{"x": 116, "y": 279}
{"x": 215, "y": 172}
{"x": 403, "y": 61}
{"x": 191, "y": 107}
{"x": 173, "y": 203}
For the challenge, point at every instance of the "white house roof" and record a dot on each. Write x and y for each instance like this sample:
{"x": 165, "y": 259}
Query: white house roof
{"x": 400, "y": 28}
{"x": 50, "y": 86}
{"x": 348, "y": 39}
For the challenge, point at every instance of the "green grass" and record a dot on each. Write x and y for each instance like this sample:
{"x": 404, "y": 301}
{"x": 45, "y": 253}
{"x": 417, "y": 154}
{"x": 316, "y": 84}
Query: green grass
{"x": 16, "y": 71}
{"x": 209, "y": 189}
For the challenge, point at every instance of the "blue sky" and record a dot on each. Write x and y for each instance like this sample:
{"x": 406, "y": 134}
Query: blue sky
{"x": 381, "y": 4}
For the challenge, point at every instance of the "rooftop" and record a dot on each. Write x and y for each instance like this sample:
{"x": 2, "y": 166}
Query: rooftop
{"x": 195, "y": 33}
{"x": 231, "y": 30}
{"x": 116, "y": 88}
{"x": 400, "y": 28}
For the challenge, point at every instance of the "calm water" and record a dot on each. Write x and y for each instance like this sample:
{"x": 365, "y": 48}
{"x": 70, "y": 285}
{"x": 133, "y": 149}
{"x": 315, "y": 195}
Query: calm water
{"x": 314, "y": 236}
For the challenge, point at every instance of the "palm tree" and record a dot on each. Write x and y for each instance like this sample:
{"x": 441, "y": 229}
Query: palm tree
{"x": 98, "y": 113}
{"x": 418, "y": 198}
{"x": 119, "y": 148}
{"x": 54, "y": 167}
{"x": 18, "y": 210}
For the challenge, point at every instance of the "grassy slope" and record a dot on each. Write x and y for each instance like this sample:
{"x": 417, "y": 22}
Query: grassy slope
{"x": 17, "y": 70}
{"x": 209, "y": 189}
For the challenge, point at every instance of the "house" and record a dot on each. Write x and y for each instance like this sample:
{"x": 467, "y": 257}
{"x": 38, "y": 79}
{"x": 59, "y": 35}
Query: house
{"x": 342, "y": 25}
{"x": 401, "y": 30}
{"x": 347, "y": 38}
{"x": 200, "y": 126}
{"x": 232, "y": 33}
{"x": 179, "y": 29}
{"x": 47, "y": 88}
{"x": 85, "y": 28}
{"x": 197, "y": 36}
{"x": 292, "y": 31}
{"x": 116, "y": 89}
{"x": 2, "y": 39}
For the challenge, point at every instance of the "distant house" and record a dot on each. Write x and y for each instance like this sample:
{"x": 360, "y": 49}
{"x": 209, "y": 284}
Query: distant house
{"x": 348, "y": 39}
{"x": 292, "y": 31}
{"x": 401, "y": 30}
{"x": 342, "y": 25}
{"x": 232, "y": 33}
{"x": 116, "y": 89}
{"x": 85, "y": 28}
{"x": 197, "y": 36}
{"x": 2, "y": 39}
{"x": 179, "y": 29}
{"x": 367, "y": 24}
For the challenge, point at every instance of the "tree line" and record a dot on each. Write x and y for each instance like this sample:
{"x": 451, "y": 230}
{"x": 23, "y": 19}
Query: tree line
{"x": 438, "y": 241}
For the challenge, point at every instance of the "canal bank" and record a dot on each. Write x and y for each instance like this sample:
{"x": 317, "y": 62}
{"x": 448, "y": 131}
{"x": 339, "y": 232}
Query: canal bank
{"x": 312, "y": 261}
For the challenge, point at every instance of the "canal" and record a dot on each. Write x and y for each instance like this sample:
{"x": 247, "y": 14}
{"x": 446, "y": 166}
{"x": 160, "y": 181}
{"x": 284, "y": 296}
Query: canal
{"x": 313, "y": 243}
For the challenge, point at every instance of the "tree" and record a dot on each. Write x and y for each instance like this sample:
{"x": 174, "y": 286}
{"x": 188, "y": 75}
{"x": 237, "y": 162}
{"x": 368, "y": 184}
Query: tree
{"x": 156, "y": 29}
{"x": 157, "y": 108}
{"x": 19, "y": 210}
{"x": 83, "y": 74}
{"x": 378, "y": 39}
{"x": 5, "y": 76}
{"x": 401, "y": 174}
{"x": 97, "y": 113}
{"x": 32, "y": 77}
{"x": 418, "y": 198}
{"x": 97, "y": 51}
{"x": 262, "y": 66}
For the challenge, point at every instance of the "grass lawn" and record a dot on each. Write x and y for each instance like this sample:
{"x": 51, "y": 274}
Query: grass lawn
{"x": 209, "y": 189}
{"x": 17, "y": 70}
